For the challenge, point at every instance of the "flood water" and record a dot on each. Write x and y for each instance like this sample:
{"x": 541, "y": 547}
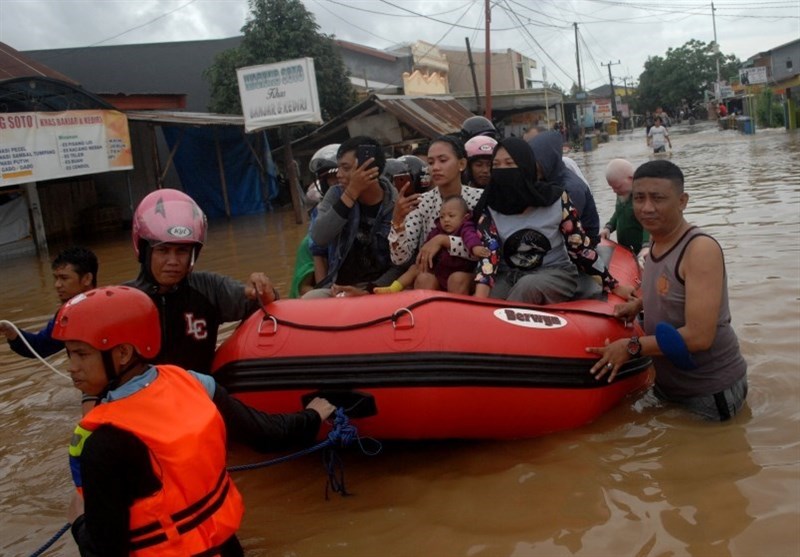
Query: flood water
{"x": 643, "y": 480}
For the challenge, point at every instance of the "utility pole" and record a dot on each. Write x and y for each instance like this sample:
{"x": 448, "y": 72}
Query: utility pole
{"x": 613, "y": 93}
{"x": 625, "y": 84}
{"x": 488, "y": 112}
{"x": 716, "y": 46}
{"x": 474, "y": 78}
{"x": 546, "y": 105}
{"x": 578, "y": 57}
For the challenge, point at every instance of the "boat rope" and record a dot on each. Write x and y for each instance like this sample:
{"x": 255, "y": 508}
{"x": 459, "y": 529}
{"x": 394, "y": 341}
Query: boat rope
{"x": 52, "y": 540}
{"x": 343, "y": 434}
{"x": 29, "y": 347}
{"x": 407, "y": 309}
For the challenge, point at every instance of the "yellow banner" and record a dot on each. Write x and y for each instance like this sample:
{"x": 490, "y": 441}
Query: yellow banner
{"x": 36, "y": 146}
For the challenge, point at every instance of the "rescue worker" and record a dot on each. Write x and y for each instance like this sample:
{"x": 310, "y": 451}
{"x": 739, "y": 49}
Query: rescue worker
{"x": 169, "y": 229}
{"x": 149, "y": 460}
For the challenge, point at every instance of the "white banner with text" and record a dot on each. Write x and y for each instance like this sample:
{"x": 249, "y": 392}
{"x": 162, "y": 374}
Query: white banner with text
{"x": 281, "y": 93}
{"x": 37, "y": 146}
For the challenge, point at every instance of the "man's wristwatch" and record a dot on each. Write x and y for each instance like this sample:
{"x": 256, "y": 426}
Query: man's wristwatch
{"x": 634, "y": 347}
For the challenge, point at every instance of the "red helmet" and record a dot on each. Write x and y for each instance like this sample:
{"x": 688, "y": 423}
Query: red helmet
{"x": 107, "y": 317}
{"x": 168, "y": 216}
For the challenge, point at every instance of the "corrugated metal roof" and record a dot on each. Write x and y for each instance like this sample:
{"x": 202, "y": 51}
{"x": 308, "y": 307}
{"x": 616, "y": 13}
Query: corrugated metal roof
{"x": 185, "y": 118}
{"x": 430, "y": 116}
{"x": 15, "y": 64}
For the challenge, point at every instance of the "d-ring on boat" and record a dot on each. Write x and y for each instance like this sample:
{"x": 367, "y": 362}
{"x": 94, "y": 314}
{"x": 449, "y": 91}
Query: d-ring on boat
{"x": 431, "y": 365}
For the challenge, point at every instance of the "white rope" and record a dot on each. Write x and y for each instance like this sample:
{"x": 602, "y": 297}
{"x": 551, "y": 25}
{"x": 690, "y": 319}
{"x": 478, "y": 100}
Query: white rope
{"x": 26, "y": 343}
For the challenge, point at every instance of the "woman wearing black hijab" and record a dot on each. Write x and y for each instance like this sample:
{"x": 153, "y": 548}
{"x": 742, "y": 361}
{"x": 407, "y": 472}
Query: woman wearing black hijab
{"x": 533, "y": 231}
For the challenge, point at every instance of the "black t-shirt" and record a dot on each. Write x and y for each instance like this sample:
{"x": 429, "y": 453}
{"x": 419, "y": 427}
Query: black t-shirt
{"x": 360, "y": 264}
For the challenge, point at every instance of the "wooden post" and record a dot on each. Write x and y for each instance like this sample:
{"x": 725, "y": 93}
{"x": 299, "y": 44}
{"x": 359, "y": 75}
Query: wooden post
{"x": 474, "y": 78}
{"x": 36, "y": 212}
{"x": 156, "y": 160}
{"x": 291, "y": 175}
{"x": 223, "y": 182}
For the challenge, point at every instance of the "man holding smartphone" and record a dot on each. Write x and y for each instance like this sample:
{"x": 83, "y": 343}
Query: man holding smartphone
{"x": 354, "y": 219}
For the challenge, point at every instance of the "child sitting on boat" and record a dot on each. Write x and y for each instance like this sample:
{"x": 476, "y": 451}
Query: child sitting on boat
{"x": 434, "y": 273}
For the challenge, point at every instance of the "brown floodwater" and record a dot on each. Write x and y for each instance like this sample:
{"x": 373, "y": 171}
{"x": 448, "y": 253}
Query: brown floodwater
{"x": 642, "y": 480}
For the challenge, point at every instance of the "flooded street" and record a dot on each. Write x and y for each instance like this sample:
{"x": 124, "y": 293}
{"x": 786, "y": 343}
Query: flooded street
{"x": 642, "y": 480}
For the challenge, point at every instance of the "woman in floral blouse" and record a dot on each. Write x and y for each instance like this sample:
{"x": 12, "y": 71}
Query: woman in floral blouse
{"x": 414, "y": 215}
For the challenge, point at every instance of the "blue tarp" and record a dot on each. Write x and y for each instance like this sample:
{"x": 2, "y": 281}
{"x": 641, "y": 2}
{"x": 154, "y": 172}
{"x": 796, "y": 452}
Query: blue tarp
{"x": 196, "y": 163}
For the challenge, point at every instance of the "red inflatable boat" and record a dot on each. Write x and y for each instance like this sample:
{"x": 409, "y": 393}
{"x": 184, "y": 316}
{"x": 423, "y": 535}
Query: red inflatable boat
{"x": 432, "y": 365}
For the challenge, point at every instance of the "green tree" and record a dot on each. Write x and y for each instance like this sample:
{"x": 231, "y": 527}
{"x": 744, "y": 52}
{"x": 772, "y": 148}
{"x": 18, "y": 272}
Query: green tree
{"x": 769, "y": 110}
{"x": 682, "y": 76}
{"x": 279, "y": 30}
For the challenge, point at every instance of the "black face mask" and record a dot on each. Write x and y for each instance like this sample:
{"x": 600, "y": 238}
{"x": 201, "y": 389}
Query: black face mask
{"x": 511, "y": 193}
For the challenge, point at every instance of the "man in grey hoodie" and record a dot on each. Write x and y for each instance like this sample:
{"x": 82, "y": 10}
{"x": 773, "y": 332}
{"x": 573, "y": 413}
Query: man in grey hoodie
{"x": 547, "y": 148}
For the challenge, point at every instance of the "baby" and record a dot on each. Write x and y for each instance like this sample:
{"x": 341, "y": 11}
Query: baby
{"x": 454, "y": 220}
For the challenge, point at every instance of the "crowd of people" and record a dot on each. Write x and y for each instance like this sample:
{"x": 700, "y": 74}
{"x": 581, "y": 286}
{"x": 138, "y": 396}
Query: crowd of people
{"x": 474, "y": 214}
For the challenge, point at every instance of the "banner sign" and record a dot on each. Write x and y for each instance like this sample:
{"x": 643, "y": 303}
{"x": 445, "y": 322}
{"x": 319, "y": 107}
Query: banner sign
{"x": 725, "y": 91}
{"x": 602, "y": 109}
{"x": 281, "y": 93}
{"x": 752, "y": 76}
{"x": 37, "y": 146}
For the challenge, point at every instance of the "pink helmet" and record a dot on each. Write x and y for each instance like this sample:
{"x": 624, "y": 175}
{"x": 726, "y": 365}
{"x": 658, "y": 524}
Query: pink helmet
{"x": 480, "y": 146}
{"x": 168, "y": 216}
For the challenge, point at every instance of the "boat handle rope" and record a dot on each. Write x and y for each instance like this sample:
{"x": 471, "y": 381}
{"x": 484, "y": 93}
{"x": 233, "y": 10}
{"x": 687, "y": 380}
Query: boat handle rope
{"x": 396, "y": 317}
{"x": 393, "y": 317}
{"x": 34, "y": 352}
{"x": 342, "y": 434}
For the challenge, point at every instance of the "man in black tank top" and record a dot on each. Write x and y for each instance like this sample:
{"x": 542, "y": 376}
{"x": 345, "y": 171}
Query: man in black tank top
{"x": 685, "y": 301}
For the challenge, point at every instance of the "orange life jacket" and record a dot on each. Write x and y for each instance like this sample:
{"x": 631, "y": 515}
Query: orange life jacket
{"x": 198, "y": 507}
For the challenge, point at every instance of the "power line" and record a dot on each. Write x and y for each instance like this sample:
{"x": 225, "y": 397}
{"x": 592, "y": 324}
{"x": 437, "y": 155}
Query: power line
{"x": 352, "y": 7}
{"x": 351, "y": 23}
{"x": 452, "y": 26}
{"x": 511, "y": 12}
{"x": 445, "y": 22}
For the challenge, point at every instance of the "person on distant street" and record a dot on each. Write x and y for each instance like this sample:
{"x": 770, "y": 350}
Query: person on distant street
{"x": 658, "y": 137}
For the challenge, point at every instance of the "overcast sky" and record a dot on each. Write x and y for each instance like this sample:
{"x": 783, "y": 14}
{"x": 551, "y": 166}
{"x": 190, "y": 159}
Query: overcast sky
{"x": 627, "y": 31}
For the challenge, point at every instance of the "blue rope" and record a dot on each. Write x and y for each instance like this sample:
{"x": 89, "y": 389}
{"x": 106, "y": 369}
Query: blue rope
{"x": 52, "y": 540}
{"x": 342, "y": 435}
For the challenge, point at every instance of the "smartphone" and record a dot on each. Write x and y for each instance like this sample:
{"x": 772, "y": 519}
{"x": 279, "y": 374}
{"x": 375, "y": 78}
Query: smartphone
{"x": 401, "y": 180}
{"x": 365, "y": 152}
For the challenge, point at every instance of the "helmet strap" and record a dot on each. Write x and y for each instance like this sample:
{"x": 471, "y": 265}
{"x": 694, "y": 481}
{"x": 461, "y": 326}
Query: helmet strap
{"x": 111, "y": 375}
{"x": 114, "y": 377}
